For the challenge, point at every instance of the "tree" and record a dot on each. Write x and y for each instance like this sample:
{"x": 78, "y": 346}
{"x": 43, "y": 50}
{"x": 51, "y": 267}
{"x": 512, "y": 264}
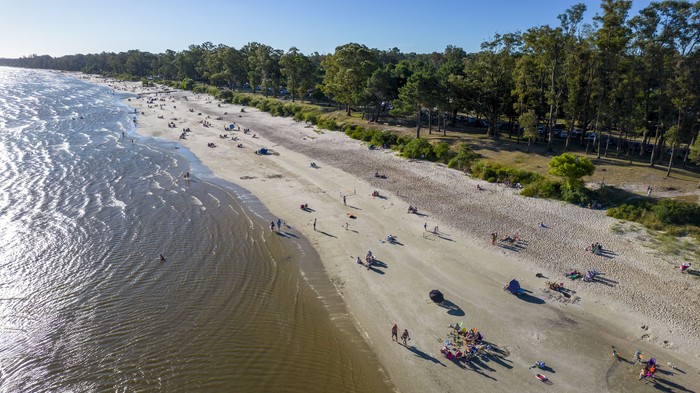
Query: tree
{"x": 571, "y": 168}
{"x": 490, "y": 75}
{"x": 347, "y": 71}
{"x": 528, "y": 121}
{"x": 380, "y": 90}
{"x": 419, "y": 92}
{"x": 611, "y": 42}
{"x": 295, "y": 66}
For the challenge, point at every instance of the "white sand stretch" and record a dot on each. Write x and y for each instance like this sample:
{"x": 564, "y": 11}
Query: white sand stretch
{"x": 641, "y": 302}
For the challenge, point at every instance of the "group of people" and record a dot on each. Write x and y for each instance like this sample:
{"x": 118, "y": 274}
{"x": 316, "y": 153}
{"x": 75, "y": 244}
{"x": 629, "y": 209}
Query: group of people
{"x": 395, "y": 335}
{"x": 649, "y": 369}
{"x": 464, "y": 345}
{"x": 369, "y": 259}
{"x": 211, "y": 144}
{"x": 595, "y": 248}
{"x": 279, "y": 225}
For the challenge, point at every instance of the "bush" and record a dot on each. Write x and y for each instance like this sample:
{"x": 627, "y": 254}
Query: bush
{"x": 488, "y": 170}
{"x": 213, "y": 91}
{"x": 543, "y": 188}
{"x": 226, "y": 95}
{"x": 672, "y": 212}
{"x": 638, "y": 211}
{"x": 574, "y": 194}
{"x": 464, "y": 159}
{"x": 418, "y": 148}
{"x": 186, "y": 84}
{"x": 327, "y": 123}
{"x": 442, "y": 151}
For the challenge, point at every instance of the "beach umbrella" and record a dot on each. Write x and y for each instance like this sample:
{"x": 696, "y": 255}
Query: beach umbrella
{"x": 436, "y": 296}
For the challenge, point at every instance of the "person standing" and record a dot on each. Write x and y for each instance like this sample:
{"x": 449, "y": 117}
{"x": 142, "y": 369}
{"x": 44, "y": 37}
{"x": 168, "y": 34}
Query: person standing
{"x": 493, "y": 237}
{"x": 344, "y": 200}
{"x": 395, "y": 333}
{"x": 405, "y": 337}
{"x": 279, "y": 224}
{"x": 272, "y": 225}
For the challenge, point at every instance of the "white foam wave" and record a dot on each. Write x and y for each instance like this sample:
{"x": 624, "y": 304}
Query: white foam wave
{"x": 114, "y": 202}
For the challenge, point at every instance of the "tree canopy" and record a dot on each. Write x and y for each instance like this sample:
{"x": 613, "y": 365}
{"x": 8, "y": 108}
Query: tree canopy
{"x": 634, "y": 79}
{"x": 571, "y": 168}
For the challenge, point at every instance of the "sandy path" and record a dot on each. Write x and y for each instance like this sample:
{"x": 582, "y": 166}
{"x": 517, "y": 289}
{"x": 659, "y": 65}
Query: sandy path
{"x": 574, "y": 336}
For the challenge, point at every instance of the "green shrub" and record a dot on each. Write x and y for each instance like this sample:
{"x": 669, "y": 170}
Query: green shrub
{"x": 418, "y": 148}
{"x": 543, "y": 188}
{"x": 574, "y": 194}
{"x": 187, "y": 84}
{"x": 327, "y": 123}
{"x": 382, "y": 138}
{"x": 672, "y": 212}
{"x": 442, "y": 151}
{"x": 311, "y": 117}
{"x": 213, "y": 91}
{"x": 225, "y": 95}
{"x": 500, "y": 173}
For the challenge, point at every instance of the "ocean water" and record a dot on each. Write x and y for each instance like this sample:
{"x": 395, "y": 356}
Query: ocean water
{"x": 87, "y": 305}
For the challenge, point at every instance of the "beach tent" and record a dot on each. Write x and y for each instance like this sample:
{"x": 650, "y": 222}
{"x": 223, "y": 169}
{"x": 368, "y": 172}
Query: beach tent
{"x": 436, "y": 296}
{"x": 262, "y": 150}
{"x": 514, "y": 287}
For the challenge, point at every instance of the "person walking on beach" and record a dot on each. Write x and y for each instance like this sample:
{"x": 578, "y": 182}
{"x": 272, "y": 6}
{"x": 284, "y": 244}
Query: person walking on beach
{"x": 272, "y": 225}
{"x": 314, "y": 224}
{"x": 344, "y": 200}
{"x": 425, "y": 226}
{"x": 494, "y": 235}
{"x": 279, "y": 224}
{"x": 395, "y": 333}
{"x": 405, "y": 337}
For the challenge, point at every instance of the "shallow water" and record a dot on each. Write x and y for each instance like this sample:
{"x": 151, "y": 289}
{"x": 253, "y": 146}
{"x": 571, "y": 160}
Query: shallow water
{"x": 86, "y": 304}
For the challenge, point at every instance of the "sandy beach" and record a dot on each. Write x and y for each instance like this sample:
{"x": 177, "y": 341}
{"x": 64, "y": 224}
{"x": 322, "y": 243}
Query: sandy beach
{"x": 640, "y": 301}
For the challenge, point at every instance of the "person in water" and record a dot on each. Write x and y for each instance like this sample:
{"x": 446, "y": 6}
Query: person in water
{"x": 162, "y": 258}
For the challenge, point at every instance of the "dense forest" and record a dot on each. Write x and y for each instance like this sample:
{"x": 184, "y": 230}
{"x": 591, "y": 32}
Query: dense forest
{"x": 622, "y": 76}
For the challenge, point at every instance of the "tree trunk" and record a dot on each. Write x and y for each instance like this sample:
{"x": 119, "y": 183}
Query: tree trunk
{"x": 418, "y": 123}
{"x": 656, "y": 137}
{"x": 430, "y": 121}
{"x": 670, "y": 160}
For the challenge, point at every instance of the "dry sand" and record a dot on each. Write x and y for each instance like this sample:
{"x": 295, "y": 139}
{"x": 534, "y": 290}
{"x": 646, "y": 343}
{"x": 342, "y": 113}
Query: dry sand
{"x": 642, "y": 303}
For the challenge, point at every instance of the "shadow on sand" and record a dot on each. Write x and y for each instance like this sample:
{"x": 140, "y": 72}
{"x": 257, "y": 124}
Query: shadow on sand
{"x": 423, "y": 355}
{"x": 452, "y": 308}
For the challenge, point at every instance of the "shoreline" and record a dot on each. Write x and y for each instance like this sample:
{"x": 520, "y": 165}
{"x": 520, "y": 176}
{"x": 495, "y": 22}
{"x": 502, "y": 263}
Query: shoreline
{"x": 460, "y": 262}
